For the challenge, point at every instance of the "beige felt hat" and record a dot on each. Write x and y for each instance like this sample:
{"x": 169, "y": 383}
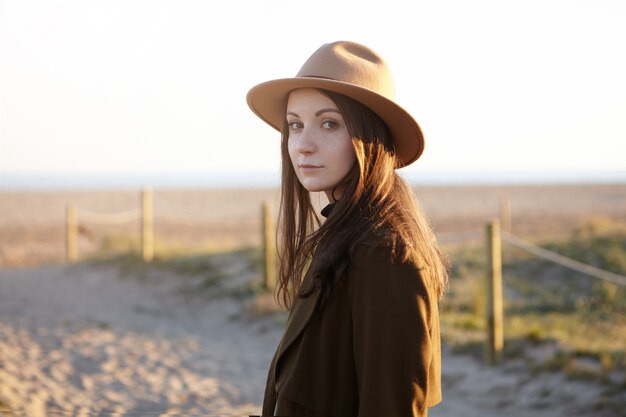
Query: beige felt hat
{"x": 353, "y": 70}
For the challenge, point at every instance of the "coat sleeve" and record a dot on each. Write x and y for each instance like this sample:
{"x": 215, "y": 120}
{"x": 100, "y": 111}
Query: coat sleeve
{"x": 392, "y": 341}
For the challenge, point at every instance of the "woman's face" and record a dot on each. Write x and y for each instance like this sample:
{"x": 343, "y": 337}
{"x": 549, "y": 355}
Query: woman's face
{"x": 319, "y": 144}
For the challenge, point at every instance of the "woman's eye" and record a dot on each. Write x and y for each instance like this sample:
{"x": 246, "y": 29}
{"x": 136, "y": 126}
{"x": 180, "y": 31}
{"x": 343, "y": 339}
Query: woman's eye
{"x": 329, "y": 124}
{"x": 295, "y": 125}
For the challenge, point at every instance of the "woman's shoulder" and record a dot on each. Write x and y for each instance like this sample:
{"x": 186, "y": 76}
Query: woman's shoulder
{"x": 378, "y": 248}
{"x": 375, "y": 272}
{"x": 375, "y": 263}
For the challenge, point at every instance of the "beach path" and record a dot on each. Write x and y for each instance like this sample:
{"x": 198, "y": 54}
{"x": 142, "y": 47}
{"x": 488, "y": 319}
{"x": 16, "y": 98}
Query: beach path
{"x": 85, "y": 339}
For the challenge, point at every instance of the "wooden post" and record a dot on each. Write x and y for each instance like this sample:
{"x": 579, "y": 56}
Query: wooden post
{"x": 267, "y": 237}
{"x": 71, "y": 235}
{"x": 495, "y": 334}
{"x": 147, "y": 231}
{"x": 505, "y": 214}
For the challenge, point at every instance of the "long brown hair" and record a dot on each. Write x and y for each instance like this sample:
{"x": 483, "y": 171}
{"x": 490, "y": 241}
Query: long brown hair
{"x": 374, "y": 201}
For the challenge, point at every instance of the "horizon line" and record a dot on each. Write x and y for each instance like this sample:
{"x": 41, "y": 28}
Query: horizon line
{"x": 17, "y": 181}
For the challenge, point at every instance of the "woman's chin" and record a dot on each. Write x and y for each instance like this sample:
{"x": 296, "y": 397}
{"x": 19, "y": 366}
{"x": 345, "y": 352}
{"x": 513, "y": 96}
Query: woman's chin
{"x": 313, "y": 188}
{"x": 311, "y": 184}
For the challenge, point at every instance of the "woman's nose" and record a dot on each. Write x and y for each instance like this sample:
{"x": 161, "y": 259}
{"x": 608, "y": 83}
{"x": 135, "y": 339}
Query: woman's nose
{"x": 306, "y": 142}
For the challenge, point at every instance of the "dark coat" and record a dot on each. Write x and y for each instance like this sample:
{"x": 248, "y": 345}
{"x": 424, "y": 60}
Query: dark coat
{"x": 373, "y": 350}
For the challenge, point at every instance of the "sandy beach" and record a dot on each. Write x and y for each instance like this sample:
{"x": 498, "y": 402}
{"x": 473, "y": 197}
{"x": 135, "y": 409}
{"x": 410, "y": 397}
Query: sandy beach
{"x": 87, "y": 340}
{"x": 91, "y": 339}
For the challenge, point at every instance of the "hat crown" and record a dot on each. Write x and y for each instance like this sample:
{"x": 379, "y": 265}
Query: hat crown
{"x": 351, "y": 63}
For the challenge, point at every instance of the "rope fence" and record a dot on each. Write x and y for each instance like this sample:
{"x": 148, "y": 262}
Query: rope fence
{"x": 563, "y": 260}
{"x": 168, "y": 211}
{"x": 497, "y": 232}
{"x": 494, "y": 311}
{"x": 109, "y": 218}
{"x": 145, "y": 214}
{"x": 518, "y": 242}
{"x": 171, "y": 210}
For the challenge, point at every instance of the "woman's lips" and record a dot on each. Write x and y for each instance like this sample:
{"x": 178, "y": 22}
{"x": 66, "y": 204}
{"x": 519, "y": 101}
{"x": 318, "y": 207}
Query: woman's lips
{"x": 308, "y": 168}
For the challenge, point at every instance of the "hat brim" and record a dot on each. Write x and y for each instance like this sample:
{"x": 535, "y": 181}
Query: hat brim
{"x": 268, "y": 100}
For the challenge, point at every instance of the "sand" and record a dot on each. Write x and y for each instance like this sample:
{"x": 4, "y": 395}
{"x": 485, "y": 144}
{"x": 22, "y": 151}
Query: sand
{"x": 82, "y": 339}
{"x": 87, "y": 340}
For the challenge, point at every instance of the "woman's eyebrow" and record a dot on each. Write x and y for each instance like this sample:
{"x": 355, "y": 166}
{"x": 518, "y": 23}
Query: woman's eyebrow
{"x": 329, "y": 110}
{"x": 317, "y": 113}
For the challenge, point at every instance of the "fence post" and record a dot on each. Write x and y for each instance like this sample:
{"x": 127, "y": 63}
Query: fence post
{"x": 505, "y": 214}
{"x": 71, "y": 235}
{"x": 267, "y": 237}
{"x": 495, "y": 334}
{"x": 147, "y": 231}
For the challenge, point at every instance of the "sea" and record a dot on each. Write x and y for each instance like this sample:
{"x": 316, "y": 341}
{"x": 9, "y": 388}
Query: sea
{"x": 24, "y": 181}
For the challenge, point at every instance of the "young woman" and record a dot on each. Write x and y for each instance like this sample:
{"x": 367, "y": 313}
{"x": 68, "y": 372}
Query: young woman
{"x": 362, "y": 338}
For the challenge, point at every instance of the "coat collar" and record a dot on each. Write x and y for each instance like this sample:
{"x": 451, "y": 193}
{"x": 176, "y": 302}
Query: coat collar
{"x": 327, "y": 210}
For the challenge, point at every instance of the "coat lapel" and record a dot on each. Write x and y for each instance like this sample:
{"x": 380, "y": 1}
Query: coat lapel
{"x": 299, "y": 316}
{"x": 301, "y": 313}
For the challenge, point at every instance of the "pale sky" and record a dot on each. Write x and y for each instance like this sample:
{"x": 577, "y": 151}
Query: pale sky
{"x": 137, "y": 86}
